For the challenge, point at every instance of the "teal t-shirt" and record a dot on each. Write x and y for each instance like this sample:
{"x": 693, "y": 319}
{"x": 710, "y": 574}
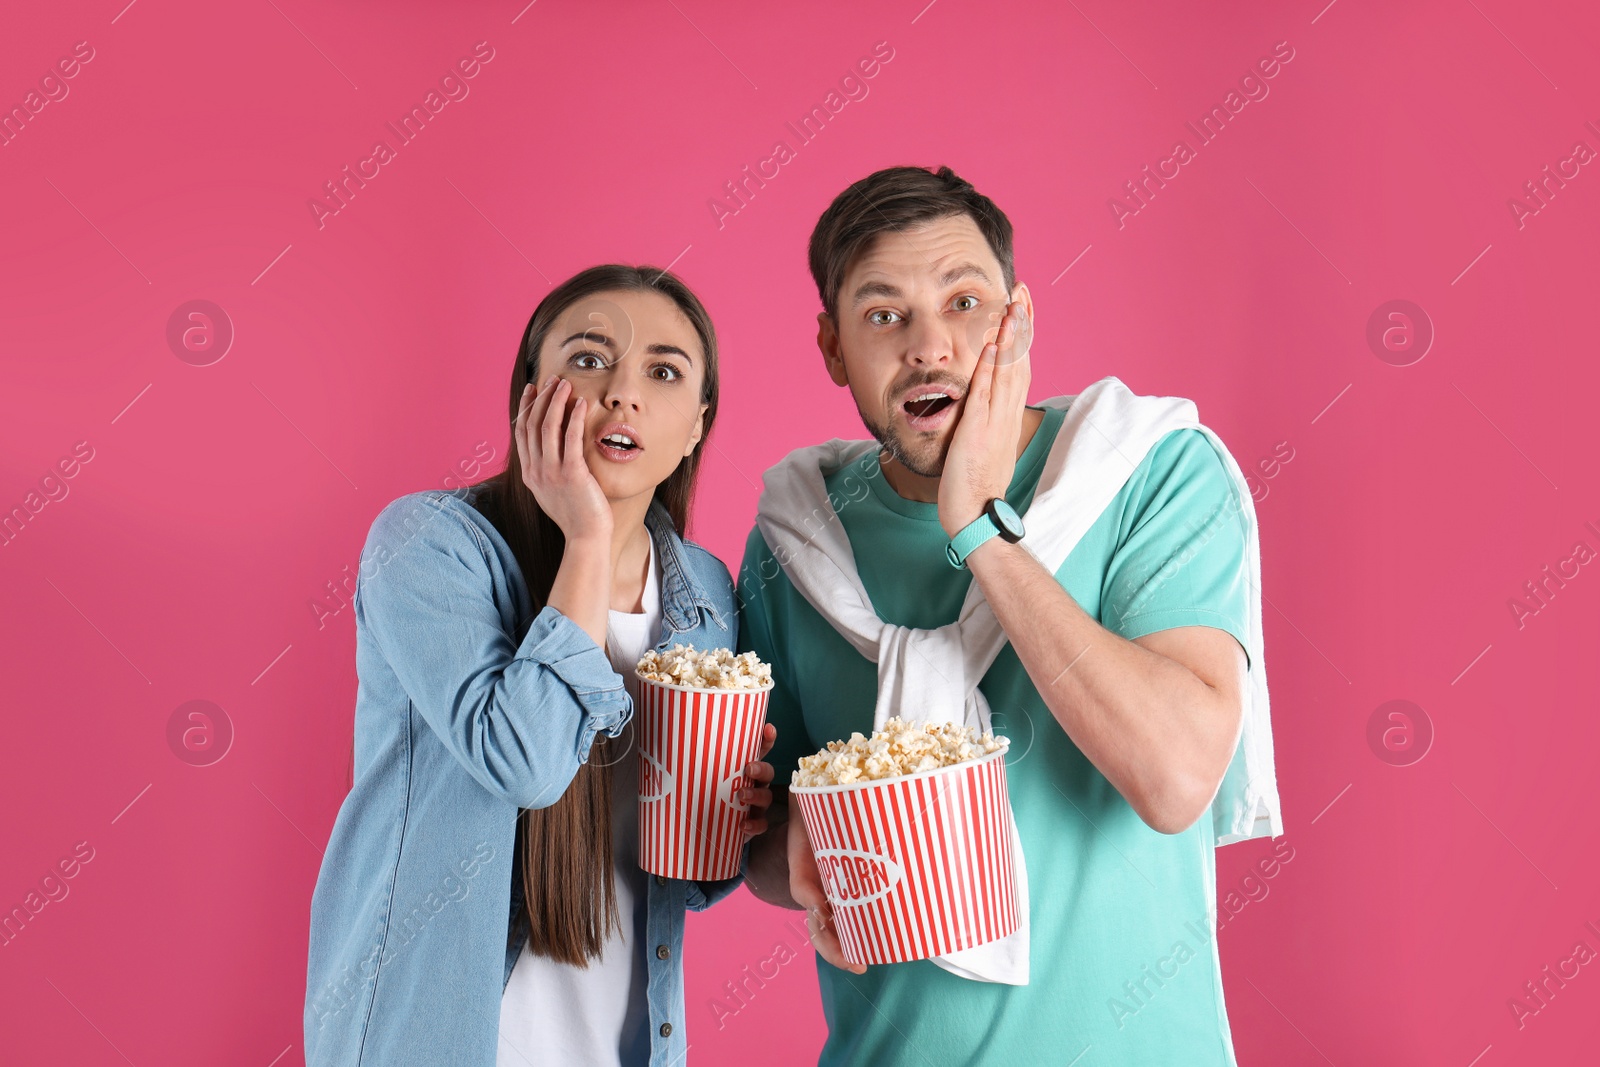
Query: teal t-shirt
{"x": 1123, "y": 918}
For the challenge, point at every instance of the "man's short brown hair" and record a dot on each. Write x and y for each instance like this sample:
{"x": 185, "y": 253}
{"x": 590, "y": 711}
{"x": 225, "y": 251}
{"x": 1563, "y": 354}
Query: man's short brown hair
{"x": 893, "y": 199}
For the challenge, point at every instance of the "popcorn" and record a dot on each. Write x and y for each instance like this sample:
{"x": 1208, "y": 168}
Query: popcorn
{"x": 717, "y": 668}
{"x": 901, "y": 747}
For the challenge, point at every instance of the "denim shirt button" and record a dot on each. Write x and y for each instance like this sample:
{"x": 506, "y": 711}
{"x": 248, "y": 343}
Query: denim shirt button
{"x": 666, "y": 1029}
{"x": 661, "y": 879}
{"x": 663, "y": 952}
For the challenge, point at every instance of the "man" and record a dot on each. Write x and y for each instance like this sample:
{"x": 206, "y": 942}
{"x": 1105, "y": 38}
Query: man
{"x": 1123, "y": 679}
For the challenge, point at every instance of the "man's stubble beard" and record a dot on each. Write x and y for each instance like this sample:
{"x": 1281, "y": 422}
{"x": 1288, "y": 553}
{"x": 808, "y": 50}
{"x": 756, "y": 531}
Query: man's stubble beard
{"x": 894, "y": 447}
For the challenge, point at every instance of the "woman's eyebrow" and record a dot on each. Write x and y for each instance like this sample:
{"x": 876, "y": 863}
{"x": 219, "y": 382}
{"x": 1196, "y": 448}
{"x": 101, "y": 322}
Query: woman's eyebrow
{"x": 595, "y": 337}
{"x": 591, "y": 336}
{"x": 669, "y": 350}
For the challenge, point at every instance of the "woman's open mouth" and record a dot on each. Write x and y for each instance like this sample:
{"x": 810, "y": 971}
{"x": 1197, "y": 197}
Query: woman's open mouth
{"x": 619, "y": 443}
{"x": 928, "y": 410}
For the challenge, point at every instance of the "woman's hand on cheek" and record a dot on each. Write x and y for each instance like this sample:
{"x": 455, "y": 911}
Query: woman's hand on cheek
{"x": 550, "y": 430}
{"x": 759, "y": 794}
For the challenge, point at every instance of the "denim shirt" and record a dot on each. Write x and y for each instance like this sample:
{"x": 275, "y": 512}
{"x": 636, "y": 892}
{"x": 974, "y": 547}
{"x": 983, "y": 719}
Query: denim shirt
{"x": 469, "y": 707}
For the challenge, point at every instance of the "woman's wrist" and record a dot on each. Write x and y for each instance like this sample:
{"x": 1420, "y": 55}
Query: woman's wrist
{"x": 582, "y": 589}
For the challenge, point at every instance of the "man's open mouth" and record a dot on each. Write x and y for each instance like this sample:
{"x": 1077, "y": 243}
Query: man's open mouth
{"x": 928, "y": 403}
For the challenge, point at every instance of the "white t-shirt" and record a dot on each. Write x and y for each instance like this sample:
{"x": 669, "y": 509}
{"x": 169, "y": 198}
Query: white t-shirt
{"x": 555, "y": 1013}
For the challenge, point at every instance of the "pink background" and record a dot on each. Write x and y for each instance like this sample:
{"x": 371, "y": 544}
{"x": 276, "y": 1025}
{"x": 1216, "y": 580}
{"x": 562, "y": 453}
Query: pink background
{"x": 372, "y": 355}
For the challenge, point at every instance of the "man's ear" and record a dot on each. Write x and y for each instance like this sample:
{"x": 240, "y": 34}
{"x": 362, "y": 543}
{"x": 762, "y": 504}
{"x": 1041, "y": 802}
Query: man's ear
{"x": 699, "y": 430}
{"x": 832, "y": 353}
{"x": 1021, "y": 293}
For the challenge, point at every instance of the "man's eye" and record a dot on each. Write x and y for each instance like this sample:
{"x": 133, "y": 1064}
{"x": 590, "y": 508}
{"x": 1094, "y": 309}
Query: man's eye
{"x": 969, "y": 307}
{"x": 890, "y": 316}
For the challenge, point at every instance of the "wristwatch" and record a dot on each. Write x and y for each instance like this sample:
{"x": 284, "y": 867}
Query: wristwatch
{"x": 998, "y": 518}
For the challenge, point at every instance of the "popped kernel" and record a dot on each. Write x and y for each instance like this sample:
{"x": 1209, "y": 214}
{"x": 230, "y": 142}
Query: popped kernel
{"x": 716, "y": 668}
{"x": 903, "y": 746}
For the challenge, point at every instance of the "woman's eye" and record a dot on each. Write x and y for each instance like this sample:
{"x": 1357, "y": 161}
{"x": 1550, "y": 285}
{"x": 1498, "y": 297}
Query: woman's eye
{"x": 578, "y": 359}
{"x": 887, "y": 317}
{"x": 970, "y": 306}
{"x": 672, "y": 375}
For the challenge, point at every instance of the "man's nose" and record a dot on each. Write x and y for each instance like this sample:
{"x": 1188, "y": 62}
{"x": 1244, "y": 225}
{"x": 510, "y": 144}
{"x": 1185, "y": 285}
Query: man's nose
{"x": 929, "y": 343}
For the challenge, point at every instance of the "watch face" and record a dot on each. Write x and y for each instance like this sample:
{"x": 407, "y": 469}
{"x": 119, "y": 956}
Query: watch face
{"x": 1006, "y": 517}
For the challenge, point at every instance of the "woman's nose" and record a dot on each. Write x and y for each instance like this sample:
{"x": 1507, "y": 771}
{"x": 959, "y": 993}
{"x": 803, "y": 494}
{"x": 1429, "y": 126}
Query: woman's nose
{"x": 621, "y": 390}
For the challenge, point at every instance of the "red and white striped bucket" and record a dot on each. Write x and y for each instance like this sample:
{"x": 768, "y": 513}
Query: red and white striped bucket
{"x": 693, "y": 747}
{"x": 918, "y": 865}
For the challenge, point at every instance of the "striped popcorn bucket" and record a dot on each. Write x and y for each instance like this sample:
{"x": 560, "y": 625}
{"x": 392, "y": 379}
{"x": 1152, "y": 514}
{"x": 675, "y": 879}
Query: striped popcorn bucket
{"x": 693, "y": 747}
{"x": 916, "y": 866}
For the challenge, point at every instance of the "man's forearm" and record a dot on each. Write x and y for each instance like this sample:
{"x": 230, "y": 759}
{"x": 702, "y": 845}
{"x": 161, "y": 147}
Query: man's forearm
{"x": 767, "y": 874}
{"x": 1158, "y": 732}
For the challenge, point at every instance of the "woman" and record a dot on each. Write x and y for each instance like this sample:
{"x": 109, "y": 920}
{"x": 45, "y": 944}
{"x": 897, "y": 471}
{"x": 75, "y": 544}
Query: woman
{"x": 480, "y": 901}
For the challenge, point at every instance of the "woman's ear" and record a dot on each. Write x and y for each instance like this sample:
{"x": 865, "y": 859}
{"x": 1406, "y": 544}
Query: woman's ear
{"x": 699, "y": 430}
{"x": 832, "y": 352}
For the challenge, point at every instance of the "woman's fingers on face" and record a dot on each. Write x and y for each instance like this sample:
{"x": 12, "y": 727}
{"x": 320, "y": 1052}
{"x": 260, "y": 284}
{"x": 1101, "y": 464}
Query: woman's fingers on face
{"x": 527, "y": 446}
{"x": 529, "y": 395}
{"x": 540, "y": 397}
{"x": 550, "y": 425}
{"x": 537, "y": 410}
{"x": 576, "y": 422}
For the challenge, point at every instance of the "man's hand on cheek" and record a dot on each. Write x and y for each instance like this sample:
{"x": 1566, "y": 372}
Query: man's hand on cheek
{"x": 983, "y": 448}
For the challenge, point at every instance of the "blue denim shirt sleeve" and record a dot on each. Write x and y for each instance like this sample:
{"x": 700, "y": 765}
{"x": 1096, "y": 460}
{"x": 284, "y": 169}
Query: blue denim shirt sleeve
{"x": 701, "y": 895}
{"x": 520, "y": 717}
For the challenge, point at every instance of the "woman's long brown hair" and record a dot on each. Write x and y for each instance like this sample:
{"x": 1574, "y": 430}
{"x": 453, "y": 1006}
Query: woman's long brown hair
{"x": 565, "y": 850}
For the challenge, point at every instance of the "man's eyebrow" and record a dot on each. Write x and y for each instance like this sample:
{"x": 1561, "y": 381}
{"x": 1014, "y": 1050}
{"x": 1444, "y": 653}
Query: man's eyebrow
{"x": 955, "y": 274}
{"x": 596, "y": 337}
{"x": 870, "y": 289}
{"x": 963, "y": 270}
